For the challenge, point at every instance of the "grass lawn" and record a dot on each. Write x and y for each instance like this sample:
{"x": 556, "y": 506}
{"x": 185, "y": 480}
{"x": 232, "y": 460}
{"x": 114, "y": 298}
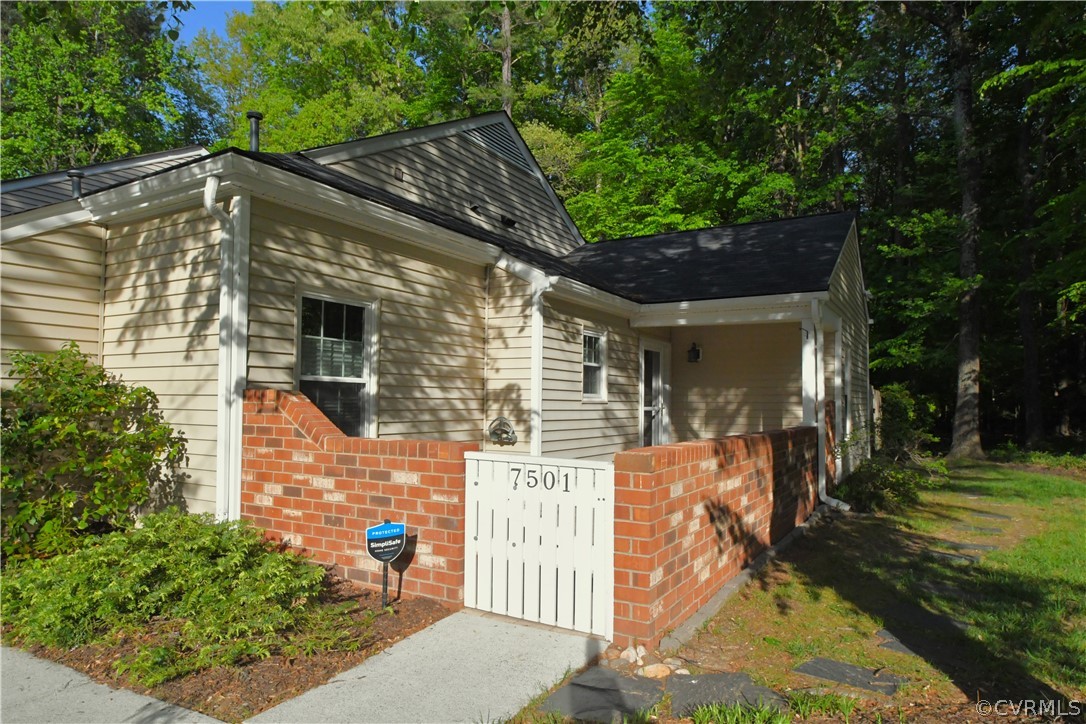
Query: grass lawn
{"x": 1024, "y": 603}
{"x": 1011, "y": 626}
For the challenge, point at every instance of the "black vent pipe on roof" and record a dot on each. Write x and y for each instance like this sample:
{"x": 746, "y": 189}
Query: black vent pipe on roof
{"x": 77, "y": 183}
{"x": 255, "y": 117}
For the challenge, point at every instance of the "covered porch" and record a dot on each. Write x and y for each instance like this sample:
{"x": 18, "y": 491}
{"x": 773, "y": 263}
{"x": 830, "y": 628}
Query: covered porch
{"x": 735, "y": 367}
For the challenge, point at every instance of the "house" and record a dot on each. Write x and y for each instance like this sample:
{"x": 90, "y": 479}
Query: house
{"x": 429, "y": 285}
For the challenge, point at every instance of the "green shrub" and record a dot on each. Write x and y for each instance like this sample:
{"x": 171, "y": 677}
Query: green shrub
{"x": 1010, "y": 453}
{"x": 81, "y": 452}
{"x": 881, "y": 484}
{"x": 197, "y": 594}
{"x": 903, "y": 428}
{"x": 894, "y": 474}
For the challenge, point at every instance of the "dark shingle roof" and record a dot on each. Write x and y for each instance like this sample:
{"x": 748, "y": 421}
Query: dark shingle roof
{"x": 24, "y": 194}
{"x": 749, "y": 260}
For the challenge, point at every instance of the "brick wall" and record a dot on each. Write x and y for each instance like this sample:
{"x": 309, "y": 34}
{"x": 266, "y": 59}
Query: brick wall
{"x": 308, "y": 484}
{"x": 690, "y": 516}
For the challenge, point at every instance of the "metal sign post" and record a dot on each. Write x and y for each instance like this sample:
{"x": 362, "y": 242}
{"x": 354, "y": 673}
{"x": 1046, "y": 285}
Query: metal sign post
{"x": 384, "y": 543}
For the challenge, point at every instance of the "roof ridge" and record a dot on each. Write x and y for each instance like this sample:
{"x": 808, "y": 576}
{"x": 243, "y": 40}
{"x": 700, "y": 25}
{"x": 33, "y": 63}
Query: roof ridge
{"x": 853, "y": 213}
{"x": 405, "y": 135}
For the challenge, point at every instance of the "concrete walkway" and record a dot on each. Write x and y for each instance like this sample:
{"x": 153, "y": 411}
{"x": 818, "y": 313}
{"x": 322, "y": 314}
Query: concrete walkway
{"x": 468, "y": 667}
{"x": 36, "y": 691}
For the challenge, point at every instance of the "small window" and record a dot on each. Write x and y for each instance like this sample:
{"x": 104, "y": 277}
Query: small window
{"x": 593, "y": 380}
{"x": 332, "y": 361}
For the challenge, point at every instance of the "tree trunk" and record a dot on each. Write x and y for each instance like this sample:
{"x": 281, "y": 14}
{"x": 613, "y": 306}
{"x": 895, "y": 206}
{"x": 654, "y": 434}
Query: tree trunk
{"x": 965, "y": 440}
{"x": 1033, "y": 433}
{"x": 507, "y": 60}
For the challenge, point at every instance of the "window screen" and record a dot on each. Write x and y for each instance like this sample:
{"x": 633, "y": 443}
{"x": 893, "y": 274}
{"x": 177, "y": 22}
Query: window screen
{"x": 333, "y": 361}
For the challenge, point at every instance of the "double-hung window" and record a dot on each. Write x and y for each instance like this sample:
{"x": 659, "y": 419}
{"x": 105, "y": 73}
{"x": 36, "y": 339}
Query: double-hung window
{"x": 333, "y": 361}
{"x": 594, "y": 369}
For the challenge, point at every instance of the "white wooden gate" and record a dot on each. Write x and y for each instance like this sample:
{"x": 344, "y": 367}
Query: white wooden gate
{"x": 540, "y": 540}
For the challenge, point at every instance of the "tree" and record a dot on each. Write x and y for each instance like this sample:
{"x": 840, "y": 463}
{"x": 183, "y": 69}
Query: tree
{"x": 85, "y": 83}
{"x": 320, "y": 72}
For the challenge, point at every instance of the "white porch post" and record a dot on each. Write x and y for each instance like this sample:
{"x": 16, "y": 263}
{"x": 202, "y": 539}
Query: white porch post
{"x": 809, "y": 356}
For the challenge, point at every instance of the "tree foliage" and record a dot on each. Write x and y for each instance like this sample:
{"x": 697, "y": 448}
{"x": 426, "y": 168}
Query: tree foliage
{"x": 653, "y": 117}
{"x": 86, "y": 82}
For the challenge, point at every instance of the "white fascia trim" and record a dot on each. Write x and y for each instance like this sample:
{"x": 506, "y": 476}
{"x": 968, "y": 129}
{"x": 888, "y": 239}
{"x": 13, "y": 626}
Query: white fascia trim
{"x": 740, "y": 310}
{"x": 521, "y": 269}
{"x": 41, "y": 220}
{"x": 574, "y": 291}
{"x": 147, "y": 196}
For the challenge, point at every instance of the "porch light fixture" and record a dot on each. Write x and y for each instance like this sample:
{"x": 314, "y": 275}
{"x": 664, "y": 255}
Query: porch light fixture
{"x": 694, "y": 353}
{"x": 501, "y": 432}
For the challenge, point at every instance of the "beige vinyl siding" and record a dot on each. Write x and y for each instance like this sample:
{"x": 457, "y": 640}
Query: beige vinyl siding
{"x": 430, "y": 318}
{"x": 51, "y": 292}
{"x": 750, "y": 378}
{"x": 453, "y": 173}
{"x": 509, "y": 357}
{"x": 829, "y": 361}
{"x": 161, "y": 328}
{"x": 572, "y": 426}
{"x": 847, "y": 299}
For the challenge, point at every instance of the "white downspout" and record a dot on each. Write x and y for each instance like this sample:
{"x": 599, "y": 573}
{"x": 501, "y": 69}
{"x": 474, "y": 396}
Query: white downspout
{"x": 540, "y": 286}
{"x": 819, "y": 408}
{"x": 233, "y": 314}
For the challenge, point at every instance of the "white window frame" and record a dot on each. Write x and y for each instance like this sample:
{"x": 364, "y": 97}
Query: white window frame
{"x": 602, "y": 337}
{"x": 371, "y": 339}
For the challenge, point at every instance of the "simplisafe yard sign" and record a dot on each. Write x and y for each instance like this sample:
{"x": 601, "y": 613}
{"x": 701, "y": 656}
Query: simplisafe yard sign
{"x": 384, "y": 543}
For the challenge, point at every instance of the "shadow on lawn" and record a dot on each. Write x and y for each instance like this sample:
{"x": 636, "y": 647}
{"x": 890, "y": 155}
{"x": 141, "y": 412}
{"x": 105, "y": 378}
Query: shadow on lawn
{"x": 887, "y": 573}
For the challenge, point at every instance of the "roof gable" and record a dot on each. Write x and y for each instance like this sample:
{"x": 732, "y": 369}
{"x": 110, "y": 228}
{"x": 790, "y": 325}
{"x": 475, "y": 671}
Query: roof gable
{"x": 476, "y": 169}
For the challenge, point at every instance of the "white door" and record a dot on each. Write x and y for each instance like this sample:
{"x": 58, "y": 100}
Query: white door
{"x": 655, "y": 385}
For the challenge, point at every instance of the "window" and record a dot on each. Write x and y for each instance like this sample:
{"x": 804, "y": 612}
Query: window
{"x": 332, "y": 361}
{"x": 594, "y": 376}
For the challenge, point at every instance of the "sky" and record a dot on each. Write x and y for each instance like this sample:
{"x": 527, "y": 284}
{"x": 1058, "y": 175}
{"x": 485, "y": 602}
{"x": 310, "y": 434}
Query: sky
{"x": 209, "y": 14}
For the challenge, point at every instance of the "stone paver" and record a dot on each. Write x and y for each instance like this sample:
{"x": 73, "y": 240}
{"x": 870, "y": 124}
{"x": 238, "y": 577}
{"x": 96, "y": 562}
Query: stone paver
{"x": 952, "y": 557}
{"x": 978, "y": 529}
{"x": 690, "y": 692}
{"x": 881, "y": 682}
{"x": 893, "y": 644}
{"x": 991, "y": 516}
{"x": 603, "y": 695}
{"x": 955, "y": 545}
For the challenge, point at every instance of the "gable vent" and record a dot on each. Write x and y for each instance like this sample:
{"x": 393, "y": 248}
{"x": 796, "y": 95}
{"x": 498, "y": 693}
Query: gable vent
{"x": 495, "y": 137}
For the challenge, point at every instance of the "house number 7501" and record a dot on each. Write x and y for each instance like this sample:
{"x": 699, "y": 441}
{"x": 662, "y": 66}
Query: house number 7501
{"x": 533, "y": 477}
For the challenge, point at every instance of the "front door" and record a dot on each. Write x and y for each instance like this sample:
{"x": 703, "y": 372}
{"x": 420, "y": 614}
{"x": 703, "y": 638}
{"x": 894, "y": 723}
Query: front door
{"x": 654, "y": 382}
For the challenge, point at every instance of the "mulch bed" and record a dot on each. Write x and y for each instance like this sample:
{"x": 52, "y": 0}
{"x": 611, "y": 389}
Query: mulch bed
{"x": 235, "y": 693}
